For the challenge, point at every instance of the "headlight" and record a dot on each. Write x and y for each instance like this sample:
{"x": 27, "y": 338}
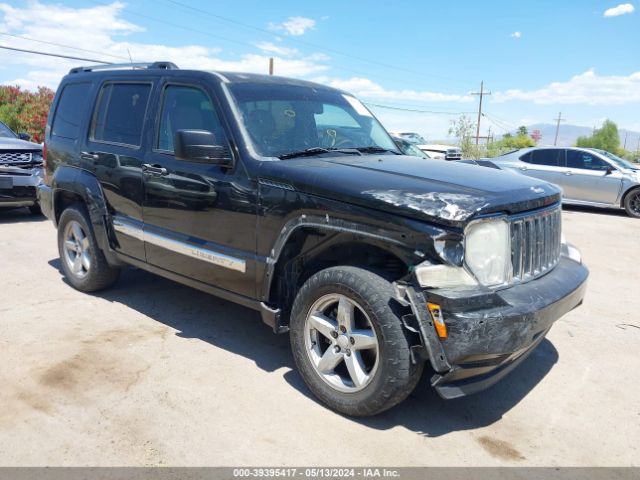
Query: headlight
{"x": 36, "y": 157}
{"x": 443, "y": 276}
{"x": 488, "y": 251}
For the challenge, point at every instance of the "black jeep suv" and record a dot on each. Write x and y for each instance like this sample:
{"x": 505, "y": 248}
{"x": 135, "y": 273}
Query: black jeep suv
{"x": 290, "y": 198}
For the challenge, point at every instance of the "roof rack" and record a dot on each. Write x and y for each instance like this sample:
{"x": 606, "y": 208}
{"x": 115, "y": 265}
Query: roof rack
{"x": 124, "y": 66}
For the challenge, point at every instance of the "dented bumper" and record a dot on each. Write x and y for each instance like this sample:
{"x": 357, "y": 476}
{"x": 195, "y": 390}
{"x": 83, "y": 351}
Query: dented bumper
{"x": 490, "y": 332}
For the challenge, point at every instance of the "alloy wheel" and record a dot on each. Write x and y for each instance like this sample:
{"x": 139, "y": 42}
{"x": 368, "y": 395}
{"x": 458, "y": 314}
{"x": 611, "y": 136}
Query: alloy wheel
{"x": 341, "y": 343}
{"x": 77, "y": 249}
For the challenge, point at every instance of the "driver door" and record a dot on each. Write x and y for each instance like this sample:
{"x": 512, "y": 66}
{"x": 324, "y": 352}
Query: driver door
{"x": 589, "y": 178}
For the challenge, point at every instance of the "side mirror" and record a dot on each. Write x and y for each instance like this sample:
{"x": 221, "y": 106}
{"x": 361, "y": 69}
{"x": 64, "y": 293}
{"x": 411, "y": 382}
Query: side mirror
{"x": 24, "y": 136}
{"x": 200, "y": 146}
{"x": 609, "y": 171}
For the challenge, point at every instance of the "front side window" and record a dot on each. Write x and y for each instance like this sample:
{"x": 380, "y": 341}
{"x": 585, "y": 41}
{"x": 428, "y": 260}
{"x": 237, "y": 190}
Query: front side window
{"x": 66, "y": 120}
{"x": 284, "y": 119}
{"x": 120, "y": 113}
{"x": 186, "y": 108}
{"x": 585, "y": 161}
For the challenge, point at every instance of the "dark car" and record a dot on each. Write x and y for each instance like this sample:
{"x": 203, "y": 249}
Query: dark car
{"x": 20, "y": 170}
{"x": 290, "y": 198}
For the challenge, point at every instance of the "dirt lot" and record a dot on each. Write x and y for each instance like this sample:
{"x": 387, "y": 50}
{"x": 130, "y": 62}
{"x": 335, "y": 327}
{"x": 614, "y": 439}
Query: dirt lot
{"x": 154, "y": 373}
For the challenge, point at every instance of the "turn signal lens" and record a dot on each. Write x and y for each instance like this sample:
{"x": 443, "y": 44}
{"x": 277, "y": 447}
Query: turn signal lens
{"x": 438, "y": 319}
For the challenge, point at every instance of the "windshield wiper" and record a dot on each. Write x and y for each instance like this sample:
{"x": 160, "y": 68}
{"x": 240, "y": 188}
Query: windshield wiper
{"x": 308, "y": 152}
{"x": 376, "y": 149}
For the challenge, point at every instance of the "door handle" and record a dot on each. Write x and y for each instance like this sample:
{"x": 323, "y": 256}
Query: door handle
{"x": 154, "y": 169}
{"x": 568, "y": 173}
{"x": 523, "y": 168}
{"x": 89, "y": 156}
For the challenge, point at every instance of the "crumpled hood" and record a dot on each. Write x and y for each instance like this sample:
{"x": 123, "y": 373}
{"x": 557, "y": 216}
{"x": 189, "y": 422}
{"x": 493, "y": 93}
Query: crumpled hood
{"x": 17, "y": 144}
{"x": 433, "y": 190}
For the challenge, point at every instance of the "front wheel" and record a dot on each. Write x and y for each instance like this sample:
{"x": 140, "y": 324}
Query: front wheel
{"x": 349, "y": 344}
{"x": 632, "y": 203}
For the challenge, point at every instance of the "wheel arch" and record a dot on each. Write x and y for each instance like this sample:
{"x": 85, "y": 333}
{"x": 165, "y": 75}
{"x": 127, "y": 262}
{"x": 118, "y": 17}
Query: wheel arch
{"x": 633, "y": 188}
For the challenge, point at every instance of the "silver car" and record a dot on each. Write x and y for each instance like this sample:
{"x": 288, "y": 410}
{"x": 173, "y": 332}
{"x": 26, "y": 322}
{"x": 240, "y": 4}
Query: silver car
{"x": 587, "y": 176}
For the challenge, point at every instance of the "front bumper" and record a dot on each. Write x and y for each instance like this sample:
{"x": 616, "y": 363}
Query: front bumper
{"x": 18, "y": 185}
{"x": 490, "y": 332}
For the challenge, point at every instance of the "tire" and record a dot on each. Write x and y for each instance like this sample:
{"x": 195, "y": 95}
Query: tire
{"x": 83, "y": 263}
{"x": 35, "y": 209}
{"x": 384, "y": 374}
{"x": 632, "y": 203}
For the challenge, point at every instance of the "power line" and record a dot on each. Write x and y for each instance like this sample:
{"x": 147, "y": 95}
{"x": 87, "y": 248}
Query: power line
{"x": 402, "y": 109}
{"x": 62, "y": 45}
{"x": 54, "y": 55}
{"x": 303, "y": 42}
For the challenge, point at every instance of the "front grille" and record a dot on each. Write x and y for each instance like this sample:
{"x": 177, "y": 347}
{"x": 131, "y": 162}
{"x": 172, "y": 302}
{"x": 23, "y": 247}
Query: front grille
{"x": 535, "y": 243}
{"x": 15, "y": 157}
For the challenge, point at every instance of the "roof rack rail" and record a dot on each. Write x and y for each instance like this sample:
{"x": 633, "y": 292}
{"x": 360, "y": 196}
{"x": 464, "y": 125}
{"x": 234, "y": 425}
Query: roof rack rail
{"x": 123, "y": 66}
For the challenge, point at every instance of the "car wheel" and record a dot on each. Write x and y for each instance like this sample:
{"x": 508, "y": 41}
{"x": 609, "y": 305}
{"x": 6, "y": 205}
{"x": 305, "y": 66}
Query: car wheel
{"x": 83, "y": 263}
{"x": 35, "y": 209}
{"x": 632, "y": 203}
{"x": 349, "y": 344}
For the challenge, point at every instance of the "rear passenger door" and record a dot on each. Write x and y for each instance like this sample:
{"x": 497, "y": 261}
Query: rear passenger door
{"x": 114, "y": 150}
{"x": 200, "y": 218}
{"x": 545, "y": 164}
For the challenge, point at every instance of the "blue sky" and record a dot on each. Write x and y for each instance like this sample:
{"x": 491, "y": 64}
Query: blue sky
{"x": 537, "y": 58}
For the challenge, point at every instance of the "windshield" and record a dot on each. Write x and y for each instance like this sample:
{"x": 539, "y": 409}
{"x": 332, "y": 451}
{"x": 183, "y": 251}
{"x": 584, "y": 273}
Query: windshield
{"x": 285, "y": 119}
{"x": 620, "y": 162}
{"x": 6, "y": 132}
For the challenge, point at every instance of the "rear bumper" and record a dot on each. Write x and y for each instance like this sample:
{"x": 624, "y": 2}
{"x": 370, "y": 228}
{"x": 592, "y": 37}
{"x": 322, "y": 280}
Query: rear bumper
{"x": 18, "y": 186}
{"x": 490, "y": 333}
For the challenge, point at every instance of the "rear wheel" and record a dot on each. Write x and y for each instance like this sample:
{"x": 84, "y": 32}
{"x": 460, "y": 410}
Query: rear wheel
{"x": 83, "y": 263}
{"x": 632, "y": 203}
{"x": 348, "y": 342}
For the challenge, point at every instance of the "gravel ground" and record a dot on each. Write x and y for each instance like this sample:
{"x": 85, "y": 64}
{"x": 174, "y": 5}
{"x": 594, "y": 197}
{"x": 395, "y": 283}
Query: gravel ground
{"x": 154, "y": 373}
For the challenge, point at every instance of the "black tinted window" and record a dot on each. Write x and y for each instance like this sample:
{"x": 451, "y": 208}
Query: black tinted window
{"x": 187, "y": 108}
{"x": 66, "y": 121}
{"x": 120, "y": 113}
{"x": 587, "y": 161}
{"x": 551, "y": 157}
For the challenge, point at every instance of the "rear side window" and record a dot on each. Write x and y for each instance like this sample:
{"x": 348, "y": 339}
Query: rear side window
{"x": 120, "y": 113}
{"x": 68, "y": 114}
{"x": 551, "y": 157}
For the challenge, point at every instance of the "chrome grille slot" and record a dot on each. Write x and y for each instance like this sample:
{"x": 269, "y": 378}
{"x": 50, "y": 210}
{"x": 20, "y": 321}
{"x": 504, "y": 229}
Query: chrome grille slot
{"x": 535, "y": 243}
{"x": 15, "y": 157}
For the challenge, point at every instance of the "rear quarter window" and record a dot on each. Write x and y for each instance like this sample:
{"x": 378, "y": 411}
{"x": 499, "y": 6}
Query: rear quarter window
{"x": 70, "y": 109}
{"x": 120, "y": 113}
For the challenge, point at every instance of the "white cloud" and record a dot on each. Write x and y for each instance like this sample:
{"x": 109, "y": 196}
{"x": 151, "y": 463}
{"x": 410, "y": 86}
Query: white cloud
{"x": 516, "y": 35}
{"x": 270, "y": 47}
{"x": 587, "y": 88}
{"x": 102, "y": 30}
{"x": 295, "y": 26}
{"x": 622, "y": 9}
{"x": 366, "y": 88}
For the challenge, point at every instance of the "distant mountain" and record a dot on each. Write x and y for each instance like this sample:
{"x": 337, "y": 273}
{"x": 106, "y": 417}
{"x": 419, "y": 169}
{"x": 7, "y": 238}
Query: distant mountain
{"x": 569, "y": 134}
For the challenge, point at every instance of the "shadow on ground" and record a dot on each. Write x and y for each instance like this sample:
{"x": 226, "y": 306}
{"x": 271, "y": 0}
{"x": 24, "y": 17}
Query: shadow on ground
{"x": 19, "y": 215}
{"x": 239, "y": 330}
{"x": 615, "y": 212}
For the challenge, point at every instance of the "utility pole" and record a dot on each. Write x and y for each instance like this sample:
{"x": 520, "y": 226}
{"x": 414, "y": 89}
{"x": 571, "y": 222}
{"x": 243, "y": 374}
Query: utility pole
{"x": 489, "y": 138}
{"x": 270, "y": 65}
{"x": 626, "y": 134}
{"x": 559, "y": 119}
{"x": 482, "y": 93}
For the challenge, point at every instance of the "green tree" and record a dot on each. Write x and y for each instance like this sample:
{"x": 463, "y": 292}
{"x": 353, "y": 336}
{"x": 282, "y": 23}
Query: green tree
{"x": 522, "y": 131}
{"x": 25, "y": 111}
{"x": 604, "y": 138}
{"x": 464, "y": 129}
